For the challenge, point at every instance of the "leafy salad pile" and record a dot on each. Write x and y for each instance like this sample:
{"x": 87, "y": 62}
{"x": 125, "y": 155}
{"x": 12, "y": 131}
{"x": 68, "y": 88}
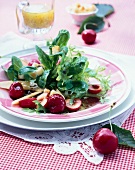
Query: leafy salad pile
{"x": 67, "y": 70}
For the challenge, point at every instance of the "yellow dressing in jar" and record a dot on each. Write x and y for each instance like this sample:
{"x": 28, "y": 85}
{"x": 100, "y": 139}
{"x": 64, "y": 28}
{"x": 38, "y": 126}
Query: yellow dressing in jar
{"x": 38, "y": 16}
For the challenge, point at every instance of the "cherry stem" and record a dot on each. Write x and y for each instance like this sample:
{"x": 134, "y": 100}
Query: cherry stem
{"x": 89, "y": 23}
{"x": 110, "y": 114}
{"x": 96, "y": 24}
{"x": 110, "y": 119}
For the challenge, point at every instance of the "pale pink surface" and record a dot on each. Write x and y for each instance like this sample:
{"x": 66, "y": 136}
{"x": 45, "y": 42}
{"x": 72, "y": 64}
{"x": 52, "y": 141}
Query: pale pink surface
{"x": 16, "y": 154}
{"x": 118, "y": 38}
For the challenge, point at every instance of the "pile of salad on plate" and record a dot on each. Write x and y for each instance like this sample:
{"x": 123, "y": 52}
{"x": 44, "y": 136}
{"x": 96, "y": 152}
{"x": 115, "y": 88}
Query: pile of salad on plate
{"x": 59, "y": 80}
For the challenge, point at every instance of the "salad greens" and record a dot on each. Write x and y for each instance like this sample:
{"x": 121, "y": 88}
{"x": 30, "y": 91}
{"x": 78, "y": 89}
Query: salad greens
{"x": 61, "y": 39}
{"x": 64, "y": 68}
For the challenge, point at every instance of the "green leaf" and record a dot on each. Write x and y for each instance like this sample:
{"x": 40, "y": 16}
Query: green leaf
{"x": 17, "y": 64}
{"x": 54, "y": 59}
{"x": 44, "y": 58}
{"x": 12, "y": 74}
{"x": 52, "y": 85}
{"x": 28, "y": 110}
{"x": 92, "y": 22}
{"x": 77, "y": 65}
{"x": 76, "y": 88}
{"x": 104, "y": 10}
{"x": 41, "y": 80}
{"x": 27, "y": 70}
{"x": 62, "y": 38}
{"x": 64, "y": 49}
{"x": 91, "y": 72}
{"x": 124, "y": 136}
{"x": 40, "y": 108}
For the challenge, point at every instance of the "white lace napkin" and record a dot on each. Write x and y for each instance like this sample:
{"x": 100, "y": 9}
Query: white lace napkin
{"x": 64, "y": 141}
{"x": 68, "y": 141}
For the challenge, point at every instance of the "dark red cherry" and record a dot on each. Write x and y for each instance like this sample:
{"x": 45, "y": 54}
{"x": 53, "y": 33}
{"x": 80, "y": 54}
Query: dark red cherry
{"x": 56, "y": 103}
{"x": 75, "y": 106}
{"x": 94, "y": 89}
{"x": 105, "y": 141}
{"x": 16, "y": 90}
{"x": 28, "y": 103}
{"x": 89, "y": 36}
{"x": 33, "y": 61}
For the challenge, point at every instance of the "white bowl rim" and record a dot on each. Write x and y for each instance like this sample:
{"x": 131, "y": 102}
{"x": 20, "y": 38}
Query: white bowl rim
{"x": 68, "y": 9}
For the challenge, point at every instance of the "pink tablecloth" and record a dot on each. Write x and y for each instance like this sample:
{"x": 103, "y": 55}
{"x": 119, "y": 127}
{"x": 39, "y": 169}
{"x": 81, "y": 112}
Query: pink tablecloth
{"x": 16, "y": 154}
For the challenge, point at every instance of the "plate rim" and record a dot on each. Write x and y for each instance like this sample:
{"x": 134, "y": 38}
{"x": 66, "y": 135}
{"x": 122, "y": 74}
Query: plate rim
{"x": 26, "y": 52}
{"x": 124, "y": 109}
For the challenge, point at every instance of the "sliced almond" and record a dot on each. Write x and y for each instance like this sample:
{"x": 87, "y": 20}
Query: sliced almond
{"x": 53, "y": 92}
{"x": 25, "y": 97}
{"x": 5, "y": 84}
{"x": 42, "y": 96}
{"x": 55, "y": 49}
{"x": 43, "y": 102}
{"x": 56, "y": 92}
{"x": 21, "y": 77}
{"x": 39, "y": 71}
{"x": 60, "y": 93}
{"x": 25, "y": 84}
{"x": 46, "y": 90}
{"x": 35, "y": 64}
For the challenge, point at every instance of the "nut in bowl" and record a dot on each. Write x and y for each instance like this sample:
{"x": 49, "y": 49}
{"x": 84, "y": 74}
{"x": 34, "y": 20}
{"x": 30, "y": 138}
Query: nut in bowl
{"x": 80, "y": 12}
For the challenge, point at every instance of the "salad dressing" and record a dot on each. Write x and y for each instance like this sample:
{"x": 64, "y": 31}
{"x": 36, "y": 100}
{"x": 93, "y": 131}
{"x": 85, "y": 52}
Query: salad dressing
{"x": 38, "y": 16}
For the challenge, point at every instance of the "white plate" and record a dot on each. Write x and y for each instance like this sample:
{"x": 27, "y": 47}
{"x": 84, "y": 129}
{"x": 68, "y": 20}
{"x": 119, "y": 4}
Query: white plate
{"x": 119, "y": 81}
{"x": 14, "y": 121}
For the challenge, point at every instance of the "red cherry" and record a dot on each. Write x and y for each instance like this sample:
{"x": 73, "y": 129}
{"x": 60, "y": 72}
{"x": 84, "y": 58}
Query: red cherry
{"x": 33, "y": 61}
{"x": 56, "y": 103}
{"x": 27, "y": 103}
{"x": 16, "y": 90}
{"x": 94, "y": 89}
{"x": 75, "y": 106}
{"x": 89, "y": 36}
{"x": 105, "y": 141}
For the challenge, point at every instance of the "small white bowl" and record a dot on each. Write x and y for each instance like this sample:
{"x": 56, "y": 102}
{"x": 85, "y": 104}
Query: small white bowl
{"x": 78, "y": 18}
